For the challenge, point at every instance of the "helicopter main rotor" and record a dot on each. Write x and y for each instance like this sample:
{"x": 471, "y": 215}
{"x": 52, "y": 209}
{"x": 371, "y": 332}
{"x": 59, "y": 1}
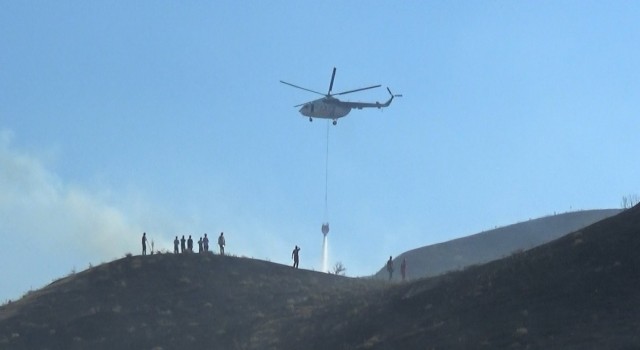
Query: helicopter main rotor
{"x": 329, "y": 94}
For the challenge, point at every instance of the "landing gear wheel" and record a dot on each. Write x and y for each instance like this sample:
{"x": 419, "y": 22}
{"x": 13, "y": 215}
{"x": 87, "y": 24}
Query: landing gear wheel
{"x": 310, "y": 119}
{"x": 335, "y": 122}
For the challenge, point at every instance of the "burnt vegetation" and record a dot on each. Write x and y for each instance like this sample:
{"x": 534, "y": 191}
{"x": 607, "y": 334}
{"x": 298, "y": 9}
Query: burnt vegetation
{"x": 581, "y": 291}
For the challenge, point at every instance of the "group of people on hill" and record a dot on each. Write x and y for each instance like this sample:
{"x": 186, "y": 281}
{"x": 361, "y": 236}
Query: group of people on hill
{"x": 203, "y": 244}
{"x": 186, "y": 245}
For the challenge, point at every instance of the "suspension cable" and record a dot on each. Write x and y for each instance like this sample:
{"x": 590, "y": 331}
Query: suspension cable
{"x": 326, "y": 179}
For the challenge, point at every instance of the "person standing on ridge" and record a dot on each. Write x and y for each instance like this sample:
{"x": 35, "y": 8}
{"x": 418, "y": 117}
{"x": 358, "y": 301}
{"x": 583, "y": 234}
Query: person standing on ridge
{"x": 144, "y": 243}
{"x": 183, "y": 245}
{"x": 221, "y": 243}
{"x": 176, "y": 242}
{"x": 295, "y": 257}
{"x": 205, "y": 243}
{"x": 403, "y": 269}
{"x": 200, "y": 245}
{"x": 190, "y": 244}
{"x": 390, "y": 267}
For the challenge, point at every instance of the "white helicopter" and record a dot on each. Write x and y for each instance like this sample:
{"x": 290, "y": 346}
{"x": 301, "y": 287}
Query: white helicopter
{"x": 330, "y": 107}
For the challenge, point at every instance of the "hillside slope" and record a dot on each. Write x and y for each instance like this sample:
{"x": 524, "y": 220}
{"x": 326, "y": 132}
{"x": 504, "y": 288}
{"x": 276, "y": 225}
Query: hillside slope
{"x": 578, "y": 292}
{"x": 168, "y": 302}
{"x": 490, "y": 245}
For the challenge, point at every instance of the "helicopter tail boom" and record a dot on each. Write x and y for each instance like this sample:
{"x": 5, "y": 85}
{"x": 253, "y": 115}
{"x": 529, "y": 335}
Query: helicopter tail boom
{"x": 361, "y": 105}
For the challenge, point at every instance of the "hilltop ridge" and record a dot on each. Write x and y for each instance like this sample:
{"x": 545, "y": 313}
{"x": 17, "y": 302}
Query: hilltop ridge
{"x": 433, "y": 260}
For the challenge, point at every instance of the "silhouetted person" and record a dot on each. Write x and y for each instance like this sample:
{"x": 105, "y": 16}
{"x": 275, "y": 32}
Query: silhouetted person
{"x": 390, "y": 267}
{"x": 221, "y": 243}
{"x": 182, "y": 244}
{"x": 200, "y": 245}
{"x": 205, "y": 243}
{"x": 190, "y": 244}
{"x": 176, "y": 242}
{"x": 403, "y": 268}
{"x": 144, "y": 243}
{"x": 295, "y": 257}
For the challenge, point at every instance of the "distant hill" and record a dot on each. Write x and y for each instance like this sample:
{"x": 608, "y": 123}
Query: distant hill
{"x": 490, "y": 245}
{"x": 580, "y": 291}
{"x": 577, "y": 292}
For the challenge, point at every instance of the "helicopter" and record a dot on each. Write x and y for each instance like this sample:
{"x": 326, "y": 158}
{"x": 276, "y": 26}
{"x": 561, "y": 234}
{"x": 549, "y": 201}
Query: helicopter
{"x": 330, "y": 107}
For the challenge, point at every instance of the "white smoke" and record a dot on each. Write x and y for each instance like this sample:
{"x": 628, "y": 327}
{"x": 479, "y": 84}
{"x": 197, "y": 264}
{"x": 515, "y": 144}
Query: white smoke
{"x": 49, "y": 227}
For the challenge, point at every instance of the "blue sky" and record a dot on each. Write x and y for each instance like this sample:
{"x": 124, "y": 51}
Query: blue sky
{"x": 168, "y": 117}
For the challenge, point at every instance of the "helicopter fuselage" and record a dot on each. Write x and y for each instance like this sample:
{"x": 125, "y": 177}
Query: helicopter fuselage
{"x": 325, "y": 108}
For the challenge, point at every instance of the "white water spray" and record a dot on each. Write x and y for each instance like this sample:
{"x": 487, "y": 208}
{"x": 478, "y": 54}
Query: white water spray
{"x": 325, "y": 254}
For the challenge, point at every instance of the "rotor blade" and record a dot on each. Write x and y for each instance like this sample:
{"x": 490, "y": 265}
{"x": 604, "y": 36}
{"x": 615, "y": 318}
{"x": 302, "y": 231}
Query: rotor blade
{"x": 333, "y": 75}
{"x": 300, "y": 87}
{"x": 356, "y": 90}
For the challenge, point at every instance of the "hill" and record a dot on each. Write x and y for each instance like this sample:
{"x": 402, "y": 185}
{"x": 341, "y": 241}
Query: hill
{"x": 577, "y": 292}
{"x": 168, "y": 301}
{"x": 491, "y": 245}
